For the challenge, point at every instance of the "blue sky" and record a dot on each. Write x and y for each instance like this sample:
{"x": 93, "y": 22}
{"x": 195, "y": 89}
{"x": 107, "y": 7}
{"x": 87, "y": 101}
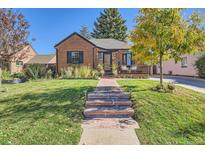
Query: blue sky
{"x": 49, "y": 26}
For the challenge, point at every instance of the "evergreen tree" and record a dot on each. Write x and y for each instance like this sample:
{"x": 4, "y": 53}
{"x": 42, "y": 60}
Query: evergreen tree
{"x": 85, "y": 32}
{"x": 110, "y": 24}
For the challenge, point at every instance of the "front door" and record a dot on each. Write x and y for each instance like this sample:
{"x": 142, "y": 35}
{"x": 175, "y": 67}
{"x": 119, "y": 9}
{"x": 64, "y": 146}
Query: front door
{"x": 107, "y": 61}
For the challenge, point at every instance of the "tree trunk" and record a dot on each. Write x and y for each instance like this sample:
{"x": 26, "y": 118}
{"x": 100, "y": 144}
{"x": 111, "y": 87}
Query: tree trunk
{"x": 0, "y": 76}
{"x": 161, "y": 72}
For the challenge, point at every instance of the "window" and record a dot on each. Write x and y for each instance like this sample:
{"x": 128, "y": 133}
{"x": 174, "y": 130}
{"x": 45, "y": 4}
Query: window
{"x": 127, "y": 59}
{"x": 74, "y": 57}
{"x": 184, "y": 62}
{"x": 100, "y": 55}
{"x": 19, "y": 63}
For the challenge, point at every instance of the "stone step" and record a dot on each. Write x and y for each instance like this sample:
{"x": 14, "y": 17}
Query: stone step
{"x": 97, "y": 112}
{"x": 108, "y": 89}
{"x": 107, "y": 103}
{"x": 106, "y": 96}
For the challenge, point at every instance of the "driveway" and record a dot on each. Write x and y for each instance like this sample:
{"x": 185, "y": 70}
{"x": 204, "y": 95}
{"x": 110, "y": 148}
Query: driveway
{"x": 187, "y": 82}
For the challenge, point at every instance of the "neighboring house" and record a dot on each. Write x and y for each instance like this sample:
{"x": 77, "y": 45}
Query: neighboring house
{"x": 23, "y": 57}
{"x": 77, "y": 50}
{"x": 185, "y": 67}
{"x": 29, "y": 56}
{"x": 49, "y": 61}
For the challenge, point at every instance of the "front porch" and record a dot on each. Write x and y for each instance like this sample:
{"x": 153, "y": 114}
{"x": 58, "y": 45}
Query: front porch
{"x": 122, "y": 62}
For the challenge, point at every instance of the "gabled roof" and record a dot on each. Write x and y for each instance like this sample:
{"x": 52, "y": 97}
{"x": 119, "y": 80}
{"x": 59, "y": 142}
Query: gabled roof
{"x": 109, "y": 44}
{"x": 41, "y": 59}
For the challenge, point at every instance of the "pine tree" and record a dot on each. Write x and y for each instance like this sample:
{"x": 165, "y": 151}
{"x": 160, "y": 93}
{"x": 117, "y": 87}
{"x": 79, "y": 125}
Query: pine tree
{"x": 85, "y": 32}
{"x": 110, "y": 24}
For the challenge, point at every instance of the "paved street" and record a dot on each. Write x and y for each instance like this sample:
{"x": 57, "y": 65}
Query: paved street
{"x": 187, "y": 82}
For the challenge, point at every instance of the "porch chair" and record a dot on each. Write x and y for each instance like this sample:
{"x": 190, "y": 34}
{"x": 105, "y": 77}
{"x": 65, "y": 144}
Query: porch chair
{"x": 124, "y": 69}
{"x": 133, "y": 69}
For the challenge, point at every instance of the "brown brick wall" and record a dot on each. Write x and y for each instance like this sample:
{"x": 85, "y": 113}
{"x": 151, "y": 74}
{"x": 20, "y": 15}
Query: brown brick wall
{"x": 74, "y": 43}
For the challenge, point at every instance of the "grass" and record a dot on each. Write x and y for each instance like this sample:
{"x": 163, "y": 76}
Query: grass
{"x": 43, "y": 112}
{"x": 167, "y": 118}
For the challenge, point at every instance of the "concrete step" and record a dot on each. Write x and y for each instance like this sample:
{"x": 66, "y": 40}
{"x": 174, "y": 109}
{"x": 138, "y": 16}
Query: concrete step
{"x": 107, "y": 103}
{"x": 110, "y": 123}
{"x": 110, "y": 96}
{"x": 100, "y": 112}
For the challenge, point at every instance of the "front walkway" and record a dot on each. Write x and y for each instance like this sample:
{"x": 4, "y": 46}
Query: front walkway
{"x": 108, "y": 117}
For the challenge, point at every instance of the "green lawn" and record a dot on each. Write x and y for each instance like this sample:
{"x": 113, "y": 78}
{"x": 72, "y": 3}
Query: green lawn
{"x": 43, "y": 112}
{"x": 167, "y": 118}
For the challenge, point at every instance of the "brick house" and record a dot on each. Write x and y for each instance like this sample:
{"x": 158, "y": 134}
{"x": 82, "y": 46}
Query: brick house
{"x": 75, "y": 49}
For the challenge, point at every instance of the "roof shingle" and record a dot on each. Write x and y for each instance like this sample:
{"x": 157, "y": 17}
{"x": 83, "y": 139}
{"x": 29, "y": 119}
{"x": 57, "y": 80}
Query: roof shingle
{"x": 41, "y": 59}
{"x": 110, "y": 44}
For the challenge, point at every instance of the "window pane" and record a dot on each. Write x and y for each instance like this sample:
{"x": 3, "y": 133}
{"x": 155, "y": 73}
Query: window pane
{"x": 75, "y": 57}
{"x": 128, "y": 58}
{"x": 19, "y": 63}
{"x": 100, "y": 55}
{"x": 184, "y": 62}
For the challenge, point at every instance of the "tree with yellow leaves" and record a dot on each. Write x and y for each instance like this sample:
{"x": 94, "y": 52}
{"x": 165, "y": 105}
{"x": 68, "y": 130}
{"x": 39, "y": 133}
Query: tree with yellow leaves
{"x": 162, "y": 34}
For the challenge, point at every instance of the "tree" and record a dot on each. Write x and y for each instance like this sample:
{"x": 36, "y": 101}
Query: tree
{"x": 85, "y": 32}
{"x": 110, "y": 24}
{"x": 13, "y": 35}
{"x": 162, "y": 34}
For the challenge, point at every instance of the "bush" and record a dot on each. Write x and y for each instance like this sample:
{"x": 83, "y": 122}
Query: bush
{"x": 67, "y": 73}
{"x": 200, "y": 65}
{"x": 36, "y": 71}
{"x": 49, "y": 74}
{"x": 84, "y": 72}
{"x": 114, "y": 69}
{"x": 100, "y": 69}
{"x": 170, "y": 87}
{"x": 6, "y": 75}
{"x": 20, "y": 75}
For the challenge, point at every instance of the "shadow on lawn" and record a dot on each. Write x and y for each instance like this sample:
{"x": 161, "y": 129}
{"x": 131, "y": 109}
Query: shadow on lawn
{"x": 68, "y": 102}
{"x": 191, "y": 130}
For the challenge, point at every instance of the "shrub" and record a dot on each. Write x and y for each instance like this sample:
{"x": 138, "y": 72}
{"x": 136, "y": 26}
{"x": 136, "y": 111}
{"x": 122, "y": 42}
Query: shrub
{"x": 85, "y": 72}
{"x": 114, "y": 69}
{"x": 100, "y": 69}
{"x": 94, "y": 74}
{"x": 78, "y": 72}
{"x": 35, "y": 71}
{"x": 49, "y": 74}
{"x": 5, "y": 75}
{"x": 200, "y": 65}
{"x": 20, "y": 75}
{"x": 170, "y": 87}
